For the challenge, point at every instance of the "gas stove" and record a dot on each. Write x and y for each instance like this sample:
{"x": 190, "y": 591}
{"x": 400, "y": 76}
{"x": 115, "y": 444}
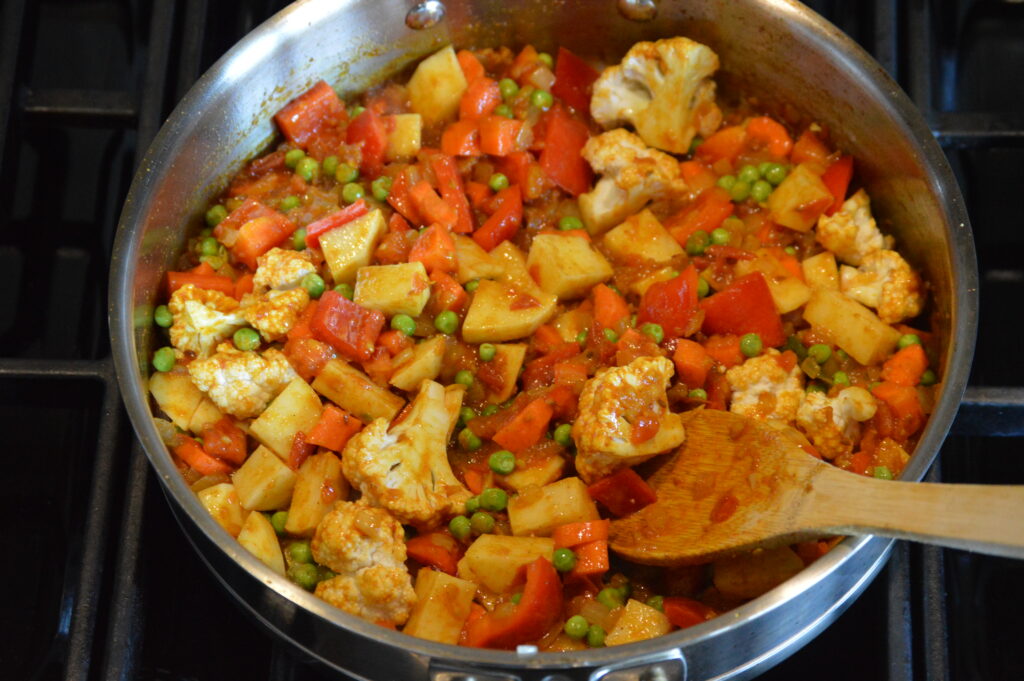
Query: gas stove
{"x": 102, "y": 584}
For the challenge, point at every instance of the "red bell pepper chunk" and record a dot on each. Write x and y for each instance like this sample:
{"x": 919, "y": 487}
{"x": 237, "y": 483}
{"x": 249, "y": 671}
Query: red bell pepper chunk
{"x": 334, "y": 428}
{"x": 325, "y": 224}
{"x": 686, "y": 612}
{"x": 349, "y": 328}
{"x": 499, "y": 135}
{"x": 744, "y": 306}
{"x": 368, "y": 130}
{"x": 189, "y": 451}
{"x": 707, "y": 213}
{"x": 574, "y": 79}
{"x": 401, "y": 201}
{"x": 224, "y": 440}
{"x": 436, "y": 549}
{"x": 430, "y": 206}
{"x": 837, "y": 179}
{"x": 302, "y": 118}
{"x": 672, "y": 304}
{"x": 211, "y": 282}
{"x": 561, "y": 158}
{"x": 622, "y": 493}
{"x": 481, "y": 98}
{"x": 449, "y": 183}
{"x": 504, "y": 222}
{"x": 259, "y": 235}
{"x": 537, "y": 610}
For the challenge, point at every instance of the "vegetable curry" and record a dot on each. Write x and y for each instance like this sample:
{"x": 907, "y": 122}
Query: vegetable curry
{"x": 420, "y": 353}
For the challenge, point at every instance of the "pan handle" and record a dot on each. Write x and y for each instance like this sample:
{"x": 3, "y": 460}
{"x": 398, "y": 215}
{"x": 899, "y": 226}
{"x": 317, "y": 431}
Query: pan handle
{"x": 666, "y": 665}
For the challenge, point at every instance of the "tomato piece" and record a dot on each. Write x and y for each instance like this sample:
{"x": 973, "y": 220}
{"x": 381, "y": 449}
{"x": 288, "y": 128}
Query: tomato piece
{"x": 303, "y": 118}
{"x": 538, "y": 608}
{"x": 673, "y": 304}
{"x": 400, "y": 199}
{"x": 226, "y": 230}
{"x": 574, "y": 80}
{"x": 447, "y": 293}
{"x": 349, "y": 328}
{"x": 561, "y": 158}
{"x": 772, "y": 134}
{"x": 336, "y": 219}
{"x": 622, "y": 493}
{"x": 224, "y": 440}
{"x": 504, "y": 221}
{"x": 369, "y": 131}
{"x": 744, "y": 306}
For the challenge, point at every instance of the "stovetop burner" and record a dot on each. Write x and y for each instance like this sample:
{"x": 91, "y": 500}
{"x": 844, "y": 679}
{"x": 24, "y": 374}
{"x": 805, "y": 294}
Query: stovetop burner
{"x": 103, "y": 584}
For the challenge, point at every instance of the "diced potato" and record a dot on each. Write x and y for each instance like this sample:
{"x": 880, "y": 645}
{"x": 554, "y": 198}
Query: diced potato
{"x": 799, "y": 200}
{"x": 752, "y": 574}
{"x": 474, "y": 261}
{"x": 318, "y": 484}
{"x": 353, "y": 391}
{"x": 437, "y": 86}
{"x": 500, "y": 312}
{"x": 853, "y": 327}
{"x": 296, "y": 409}
{"x": 641, "y": 238}
{"x": 513, "y": 270}
{"x": 510, "y": 358}
{"x": 442, "y": 606}
{"x": 536, "y": 473}
{"x": 787, "y": 291}
{"x": 637, "y": 622}
{"x": 540, "y": 510}
{"x": 176, "y": 395}
{"x": 641, "y": 285}
{"x": 351, "y": 246}
{"x": 419, "y": 363}
{"x": 258, "y": 538}
{"x": 820, "y": 271}
{"x": 404, "y": 138}
{"x": 264, "y": 482}
{"x": 393, "y": 289}
{"x": 493, "y": 560}
{"x": 453, "y": 396}
{"x": 566, "y": 265}
{"x": 571, "y": 322}
{"x": 221, "y": 501}
{"x": 205, "y": 414}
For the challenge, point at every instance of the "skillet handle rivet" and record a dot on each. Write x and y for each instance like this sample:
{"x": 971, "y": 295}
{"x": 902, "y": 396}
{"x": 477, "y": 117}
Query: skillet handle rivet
{"x": 425, "y": 14}
{"x": 638, "y": 10}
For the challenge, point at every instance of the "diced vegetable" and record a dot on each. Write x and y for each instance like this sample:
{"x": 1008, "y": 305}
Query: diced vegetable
{"x": 353, "y": 391}
{"x": 530, "y": 618}
{"x": 296, "y": 409}
{"x": 641, "y": 239}
{"x": 393, "y": 289}
{"x": 672, "y": 304}
{"x": 303, "y": 117}
{"x": 561, "y": 159}
{"x": 436, "y": 87}
{"x": 500, "y": 313}
{"x": 222, "y": 503}
{"x": 622, "y": 493}
{"x": 418, "y": 363}
{"x": 853, "y": 327}
{"x": 404, "y": 139}
{"x": 350, "y": 247}
{"x": 540, "y": 510}
{"x": 442, "y": 606}
{"x": 566, "y": 265}
{"x": 264, "y": 483}
{"x": 334, "y": 429}
{"x": 574, "y": 80}
{"x": 494, "y": 561}
{"x": 348, "y": 327}
{"x": 257, "y": 536}
{"x": 744, "y": 306}
{"x": 800, "y": 199}
{"x": 637, "y": 623}
{"x": 368, "y": 131}
{"x": 504, "y": 221}
{"x": 318, "y": 484}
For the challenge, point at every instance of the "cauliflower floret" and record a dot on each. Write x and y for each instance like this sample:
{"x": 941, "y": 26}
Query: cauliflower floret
{"x": 242, "y": 383}
{"x": 202, "y": 318}
{"x": 763, "y": 389}
{"x": 406, "y": 469}
{"x": 664, "y": 89}
{"x": 280, "y": 269}
{"x": 366, "y": 547}
{"x": 851, "y": 233}
{"x": 632, "y": 175}
{"x": 274, "y": 313}
{"x": 613, "y": 403}
{"x": 885, "y": 282}
{"x": 833, "y": 423}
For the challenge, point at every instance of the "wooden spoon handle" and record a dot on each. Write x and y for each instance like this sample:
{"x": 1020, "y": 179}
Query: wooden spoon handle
{"x": 983, "y": 518}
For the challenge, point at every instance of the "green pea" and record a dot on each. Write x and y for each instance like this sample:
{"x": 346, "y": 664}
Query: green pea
{"x": 487, "y": 351}
{"x": 595, "y": 636}
{"x": 516, "y": 598}
{"x": 733, "y": 224}
{"x": 471, "y": 285}
{"x": 789, "y": 250}
{"x": 720, "y": 236}
{"x": 882, "y": 473}
{"x": 489, "y": 410}
{"x": 656, "y": 333}
{"x": 469, "y": 440}
{"x": 330, "y": 165}
{"x": 464, "y": 377}
{"x": 343, "y": 172}
{"x": 581, "y": 337}
{"x": 576, "y": 627}
{"x": 299, "y": 239}
{"x": 292, "y": 158}
{"x": 764, "y": 167}
{"x": 289, "y": 203}
{"x": 698, "y": 242}
{"x": 323, "y": 574}
{"x": 610, "y": 597}
{"x": 304, "y": 574}
{"x": 908, "y": 339}
{"x": 314, "y": 285}
{"x": 162, "y": 316}
{"x": 751, "y": 345}
{"x": 793, "y": 343}
{"x": 760, "y": 190}
{"x": 546, "y": 59}
{"x": 352, "y": 192}
{"x": 208, "y": 246}
{"x": 246, "y": 339}
{"x": 308, "y": 169}
{"x": 403, "y": 323}
{"x": 726, "y": 182}
{"x": 502, "y": 462}
{"x": 214, "y": 261}
{"x": 215, "y": 215}
{"x": 840, "y": 378}
{"x": 929, "y": 378}
{"x": 541, "y": 99}
{"x": 611, "y": 336}
{"x": 570, "y": 222}
{"x": 657, "y": 602}
{"x": 498, "y": 182}
{"x": 163, "y": 359}
{"x": 345, "y": 290}
{"x": 563, "y": 560}
{"x": 447, "y": 322}
{"x": 472, "y": 505}
{"x": 816, "y": 387}
{"x": 842, "y": 355}
{"x": 466, "y": 414}
{"x": 300, "y": 552}
{"x": 819, "y": 352}
{"x": 381, "y": 188}
{"x": 355, "y": 112}
{"x": 509, "y": 88}
{"x": 481, "y": 523}
{"x": 494, "y": 499}
{"x": 703, "y": 287}
{"x": 748, "y": 174}
{"x": 278, "y": 520}
{"x": 740, "y": 191}
{"x": 563, "y": 435}
{"x": 776, "y": 173}
{"x": 460, "y": 527}
{"x": 504, "y": 110}
{"x": 698, "y": 394}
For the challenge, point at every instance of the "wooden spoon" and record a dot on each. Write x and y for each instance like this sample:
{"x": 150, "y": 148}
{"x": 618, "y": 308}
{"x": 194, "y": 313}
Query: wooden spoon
{"x": 738, "y": 483}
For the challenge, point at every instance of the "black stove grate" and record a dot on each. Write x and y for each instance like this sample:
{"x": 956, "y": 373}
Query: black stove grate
{"x": 106, "y": 587}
